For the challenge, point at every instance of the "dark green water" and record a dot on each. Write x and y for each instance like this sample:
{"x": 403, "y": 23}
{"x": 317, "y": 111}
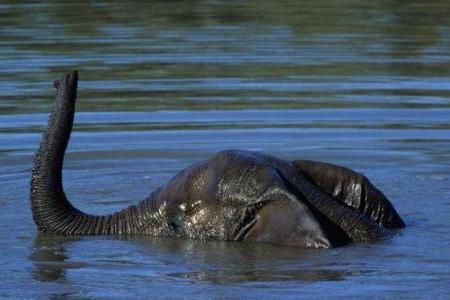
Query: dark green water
{"x": 169, "y": 83}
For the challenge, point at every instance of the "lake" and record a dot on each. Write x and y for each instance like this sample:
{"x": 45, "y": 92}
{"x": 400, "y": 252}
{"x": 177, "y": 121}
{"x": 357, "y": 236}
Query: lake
{"x": 168, "y": 83}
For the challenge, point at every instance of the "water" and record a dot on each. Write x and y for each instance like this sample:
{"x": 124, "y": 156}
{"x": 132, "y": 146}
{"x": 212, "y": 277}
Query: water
{"x": 166, "y": 84}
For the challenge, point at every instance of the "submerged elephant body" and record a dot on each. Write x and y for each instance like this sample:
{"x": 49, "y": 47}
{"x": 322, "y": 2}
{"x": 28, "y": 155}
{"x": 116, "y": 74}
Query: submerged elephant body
{"x": 235, "y": 195}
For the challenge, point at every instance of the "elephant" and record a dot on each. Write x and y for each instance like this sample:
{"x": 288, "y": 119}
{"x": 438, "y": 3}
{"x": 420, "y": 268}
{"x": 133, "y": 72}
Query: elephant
{"x": 235, "y": 195}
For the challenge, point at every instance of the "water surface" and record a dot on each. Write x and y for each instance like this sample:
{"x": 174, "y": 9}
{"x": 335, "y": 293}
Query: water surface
{"x": 166, "y": 84}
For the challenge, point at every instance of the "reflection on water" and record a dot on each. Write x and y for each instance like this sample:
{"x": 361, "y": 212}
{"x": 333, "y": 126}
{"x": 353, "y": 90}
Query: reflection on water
{"x": 221, "y": 262}
{"x": 50, "y": 259}
{"x": 362, "y": 84}
{"x": 261, "y": 275}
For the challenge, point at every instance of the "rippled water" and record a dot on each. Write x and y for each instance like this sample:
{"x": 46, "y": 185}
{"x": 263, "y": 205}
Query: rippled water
{"x": 166, "y": 84}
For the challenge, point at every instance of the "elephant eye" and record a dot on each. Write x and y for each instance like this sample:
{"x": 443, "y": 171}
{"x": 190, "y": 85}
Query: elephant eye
{"x": 248, "y": 220}
{"x": 176, "y": 225}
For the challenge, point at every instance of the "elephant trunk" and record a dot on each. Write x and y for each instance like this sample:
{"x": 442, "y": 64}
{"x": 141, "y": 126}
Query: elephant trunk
{"x": 52, "y": 211}
{"x": 355, "y": 225}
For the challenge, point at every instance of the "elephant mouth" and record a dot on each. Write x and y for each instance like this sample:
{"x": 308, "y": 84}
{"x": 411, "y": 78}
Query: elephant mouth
{"x": 249, "y": 219}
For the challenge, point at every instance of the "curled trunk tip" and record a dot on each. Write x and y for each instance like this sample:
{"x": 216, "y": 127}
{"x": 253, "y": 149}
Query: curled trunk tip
{"x": 65, "y": 80}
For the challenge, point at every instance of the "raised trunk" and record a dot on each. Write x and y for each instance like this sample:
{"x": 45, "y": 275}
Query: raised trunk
{"x": 52, "y": 212}
{"x": 355, "y": 225}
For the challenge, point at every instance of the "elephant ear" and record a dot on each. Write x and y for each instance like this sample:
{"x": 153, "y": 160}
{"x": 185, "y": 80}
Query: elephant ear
{"x": 352, "y": 189}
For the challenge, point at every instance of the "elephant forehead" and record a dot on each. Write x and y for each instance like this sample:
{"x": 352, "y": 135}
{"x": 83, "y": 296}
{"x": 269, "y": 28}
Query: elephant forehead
{"x": 244, "y": 182}
{"x": 248, "y": 186}
{"x": 230, "y": 176}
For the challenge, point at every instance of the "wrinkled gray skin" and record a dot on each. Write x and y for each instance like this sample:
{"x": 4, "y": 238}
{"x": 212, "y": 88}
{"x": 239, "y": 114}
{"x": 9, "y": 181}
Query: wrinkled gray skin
{"x": 235, "y": 195}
